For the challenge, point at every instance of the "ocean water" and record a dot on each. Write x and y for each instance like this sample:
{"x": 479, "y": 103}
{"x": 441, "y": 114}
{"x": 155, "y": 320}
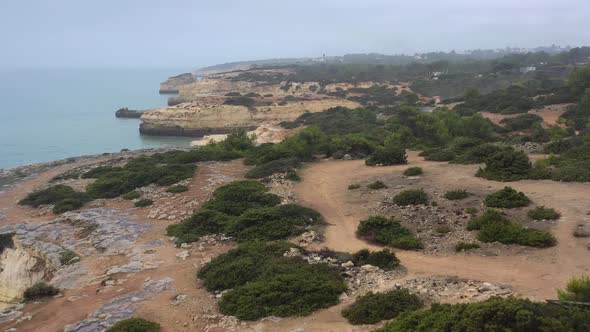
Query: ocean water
{"x": 49, "y": 114}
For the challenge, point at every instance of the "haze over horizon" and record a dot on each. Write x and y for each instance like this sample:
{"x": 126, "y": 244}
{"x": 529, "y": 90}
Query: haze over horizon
{"x": 184, "y": 33}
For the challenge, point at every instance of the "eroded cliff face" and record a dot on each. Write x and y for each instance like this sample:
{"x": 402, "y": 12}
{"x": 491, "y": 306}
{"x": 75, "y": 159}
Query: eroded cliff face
{"x": 172, "y": 84}
{"x": 20, "y": 268}
{"x": 195, "y": 119}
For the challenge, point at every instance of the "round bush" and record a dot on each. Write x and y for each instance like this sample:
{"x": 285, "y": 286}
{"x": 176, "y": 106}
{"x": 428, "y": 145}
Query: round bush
{"x": 411, "y": 197}
{"x": 413, "y": 171}
{"x": 144, "y": 202}
{"x": 387, "y": 231}
{"x": 384, "y": 259}
{"x": 456, "y": 194}
{"x": 373, "y": 308}
{"x": 388, "y": 155}
{"x": 507, "y": 198}
{"x": 543, "y": 213}
{"x": 376, "y": 185}
{"x": 39, "y": 290}
{"x": 135, "y": 325}
{"x": 131, "y": 195}
{"x": 506, "y": 165}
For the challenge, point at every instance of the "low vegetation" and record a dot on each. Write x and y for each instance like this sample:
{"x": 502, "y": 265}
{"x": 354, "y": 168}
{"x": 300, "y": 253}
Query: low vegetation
{"x": 264, "y": 283}
{"x": 375, "y": 307}
{"x": 67, "y": 257}
{"x": 576, "y": 290}
{"x": 506, "y": 165}
{"x": 456, "y": 194}
{"x": 389, "y": 232}
{"x": 39, "y": 290}
{"x": 464, "y": 246}
{"x": 387, "y": 155}
{"x": 131, "y": 195}
{"x": 413, "y": 171}
{"x": 63, "y": 197}
{"x": 285, "y": 165}
{"x": 493, "y": 226}
{"x": 177, "y": 189}
{"x": 353, "y": 186}
{"x": 376, "y": 185}
{"x": 135, "y": 325}
{"x": 543, "y": 213}
{"x": 384, "y": 259}
{"x": 495, "y": 314}
{"x": 411, "y": 197}
{"x": 507, "y": 198}
{"x": 247, "y": 212}
{"x": 143, "y": 202}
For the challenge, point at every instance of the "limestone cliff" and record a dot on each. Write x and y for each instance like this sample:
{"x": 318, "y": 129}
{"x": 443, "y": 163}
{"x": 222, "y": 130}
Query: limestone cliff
{"x": 172, "y": 84}
{"x": 195, "y": 119}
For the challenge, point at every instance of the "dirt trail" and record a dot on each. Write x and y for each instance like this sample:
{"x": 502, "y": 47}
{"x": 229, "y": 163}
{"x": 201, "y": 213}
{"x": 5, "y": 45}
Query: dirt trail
{"x": 535, "y": 275}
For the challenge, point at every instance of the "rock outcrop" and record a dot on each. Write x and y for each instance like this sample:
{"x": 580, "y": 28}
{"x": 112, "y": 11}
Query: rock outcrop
{"x": 127, "y": 113}
{"x": 172, "y": 84}
{"x": 196, "y": 119}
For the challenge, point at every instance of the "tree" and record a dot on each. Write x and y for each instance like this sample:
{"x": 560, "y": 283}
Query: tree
{"x": 506, "y": 165}
{"x": 579, "y": 81}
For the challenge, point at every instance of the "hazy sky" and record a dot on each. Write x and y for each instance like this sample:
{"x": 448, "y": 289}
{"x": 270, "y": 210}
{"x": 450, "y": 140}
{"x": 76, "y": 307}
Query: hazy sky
{"x": 170, "y": 33}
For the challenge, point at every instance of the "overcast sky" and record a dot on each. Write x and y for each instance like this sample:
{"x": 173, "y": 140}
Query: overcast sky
{"x": 174, "y": 33}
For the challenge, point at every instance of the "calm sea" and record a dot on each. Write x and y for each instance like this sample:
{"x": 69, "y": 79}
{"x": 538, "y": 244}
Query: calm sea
{"x": 49, "y": 114}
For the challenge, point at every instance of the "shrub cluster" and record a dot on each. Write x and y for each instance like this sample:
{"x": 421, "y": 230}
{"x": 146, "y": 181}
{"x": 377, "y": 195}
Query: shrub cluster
{"x": 521, "y": 122}
{"x": 143, "y": 202}
{"x": 284, "y": 165}
{"x": 353, "y": 186}
{"x": 376, "y": 185}
{"x": 411, "y": 197}
{"x": 384, "y": 259}
{"x": 131, "y": 195}
{"x": 388, "y": 232}
{"x": 464, "y": 246}
{"x": 63, "y": 197}
{"x": 39, "y": 290}
{"x": 245, "y": 211}
{"x": 507, "y": 198}
{"x": 456, "y": 194}
{"x": 135, "y": 325}
{"x": 387, "y": 155}
{"x": 177, "y": 189}
{"x": 67, "y": 256}
{"x": 543, "y": 213}
{"x": 506, "y": 165}
{"x": 264, "y": 283}
{"x": 577, "y": 290}
{"x": 413, "y": 171}
{"x": 495, "y": 314}
{"x": 495, "y": 227}
{"x": 375, "y": 307}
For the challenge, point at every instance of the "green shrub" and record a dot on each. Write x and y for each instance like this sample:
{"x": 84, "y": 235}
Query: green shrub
{"x": 495, "y": 314}
{"x": 143, "y": 202}
{"x": 201, "y": 223}
{"x": 443, "y": 229}
{"x": 285, "y": 165}
{"x": 376, "y": 185}
{"x": 274, "y": 223}
{"x": 441, "y": 155}
{"x": 264, "y": 283}
{"x": 293, "y": 176}
{"x": 471, "y": 210}
{"x": 411, "y": 197}
{"x": 39, "y": 290}
{"x": 521, "y": 122}
{"x": 464, "y": 246}
{"x": 67, "y": 256}
{"x": 506, "y": 165}
{"x": 456, "y": 194}
{"x": 353, "y": 186}
{"x": 177, "y": 189}
{"x": 577, "y": 290}
{"x": 99, "y": 171}
{"x": 388, "y": 232}
{"x": 53, "y": 195}
{"x": 375, "y": 307}
{"x": 239, "y": 196}
{"x": 543, "y": 213}
{"x": 495, "y": 227}
{"x": 131, "y": 195}
{"x": 297, "y": 290}
{"x": 478, "y": 154}
{"x": 413, "y": 171}
{"x": 69, "y": 204}
{"x": 135, "y": 325}
{"x": 387, "y": 155}
{"x": 507, "y": 198}
{"x": 384, "y": 259}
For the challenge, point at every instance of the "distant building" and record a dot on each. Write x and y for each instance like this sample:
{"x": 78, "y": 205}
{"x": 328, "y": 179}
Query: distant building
{"x": 525, "y": 70}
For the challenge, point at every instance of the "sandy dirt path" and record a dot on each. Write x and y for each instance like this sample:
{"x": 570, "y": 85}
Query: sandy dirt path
{"x": 535, "y": 275}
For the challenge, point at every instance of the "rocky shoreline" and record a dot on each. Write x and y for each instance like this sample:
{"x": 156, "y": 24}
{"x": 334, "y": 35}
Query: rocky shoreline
{"x": 127, "y": 113}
